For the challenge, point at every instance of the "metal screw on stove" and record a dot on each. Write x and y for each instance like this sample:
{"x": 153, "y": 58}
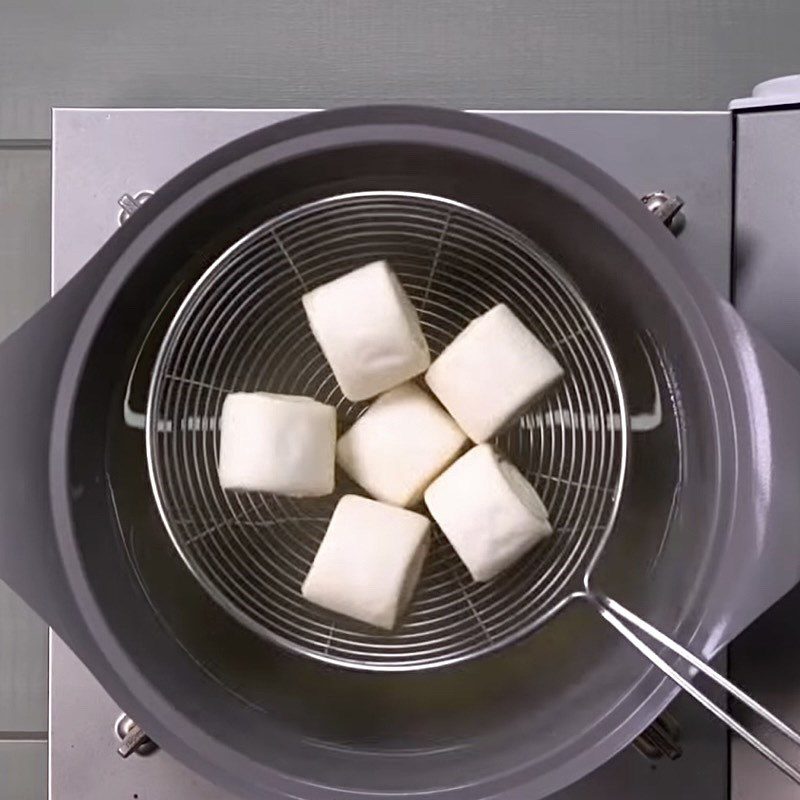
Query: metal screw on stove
{"x": 661, "y": 739}
{"x": 130, "y": 203}
{"x": 666, "y": 207}
{"x": 133, "y": 738}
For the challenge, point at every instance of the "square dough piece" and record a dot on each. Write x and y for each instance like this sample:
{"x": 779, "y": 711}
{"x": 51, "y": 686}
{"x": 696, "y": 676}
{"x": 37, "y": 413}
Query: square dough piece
{"x": 488, "y": 511}
{"x": 369, "y": 562}
{"x": 277, "y": 443}
{"x": 491, "y": 372}
{"x": 368, "y": 330}
{"x": 399, "y": 445}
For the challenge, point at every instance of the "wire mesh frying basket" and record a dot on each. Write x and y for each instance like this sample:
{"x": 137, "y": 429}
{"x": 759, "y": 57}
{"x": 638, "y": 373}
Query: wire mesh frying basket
{"x": 243, "y": 328}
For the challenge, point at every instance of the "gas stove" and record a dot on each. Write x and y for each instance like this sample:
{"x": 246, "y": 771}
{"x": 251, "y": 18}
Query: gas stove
{"x": 107, "y": 162}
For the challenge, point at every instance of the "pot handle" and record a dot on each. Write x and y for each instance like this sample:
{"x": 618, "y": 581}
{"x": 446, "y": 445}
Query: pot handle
{"x": 637, "y": 632}
{"x": 763, "y": 556}
{"x": 31, "y": 362}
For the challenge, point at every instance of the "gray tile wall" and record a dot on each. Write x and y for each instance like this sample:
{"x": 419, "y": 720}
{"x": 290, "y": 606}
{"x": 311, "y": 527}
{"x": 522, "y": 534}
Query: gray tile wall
{"x": 468, "y": 53}
{"x": 24, "y": 286}
{"x": 23, "y": 770}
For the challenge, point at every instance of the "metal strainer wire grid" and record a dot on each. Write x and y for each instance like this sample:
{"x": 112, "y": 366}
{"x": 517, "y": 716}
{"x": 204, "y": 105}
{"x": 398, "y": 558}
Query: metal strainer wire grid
{"x": 242, "y": 328}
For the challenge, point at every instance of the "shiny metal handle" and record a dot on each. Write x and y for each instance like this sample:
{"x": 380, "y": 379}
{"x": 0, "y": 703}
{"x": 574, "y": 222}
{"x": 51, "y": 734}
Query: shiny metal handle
{"x": 631, "y": 626}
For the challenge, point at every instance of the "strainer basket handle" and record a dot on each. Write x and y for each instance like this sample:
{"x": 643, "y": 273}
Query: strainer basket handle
{"x": 638, "y": 632}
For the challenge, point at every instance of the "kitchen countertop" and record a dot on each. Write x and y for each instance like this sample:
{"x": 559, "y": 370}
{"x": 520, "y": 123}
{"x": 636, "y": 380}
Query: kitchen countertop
{"x": 641, "y": 54}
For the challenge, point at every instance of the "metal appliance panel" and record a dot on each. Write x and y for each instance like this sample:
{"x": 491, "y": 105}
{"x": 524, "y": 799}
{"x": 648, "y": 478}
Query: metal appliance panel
{"x": 100, "y": 155}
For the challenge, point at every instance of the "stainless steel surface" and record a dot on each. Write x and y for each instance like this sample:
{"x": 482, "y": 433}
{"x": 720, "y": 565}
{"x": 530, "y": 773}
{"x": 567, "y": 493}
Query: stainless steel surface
{"x": 106, "y": 149}
{"x": 83, "y": 761}
{"x": 172, "y": 139}
{"x": 767, "y": 288}
{"x": 689, "y": 153}
{"x": 692, "y": 150}
{"x": 767, "y": 203}
{"x": 243, "y": 328}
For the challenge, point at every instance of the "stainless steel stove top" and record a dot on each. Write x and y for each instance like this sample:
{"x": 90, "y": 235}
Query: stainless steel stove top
{"x": 107, "y": 161}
